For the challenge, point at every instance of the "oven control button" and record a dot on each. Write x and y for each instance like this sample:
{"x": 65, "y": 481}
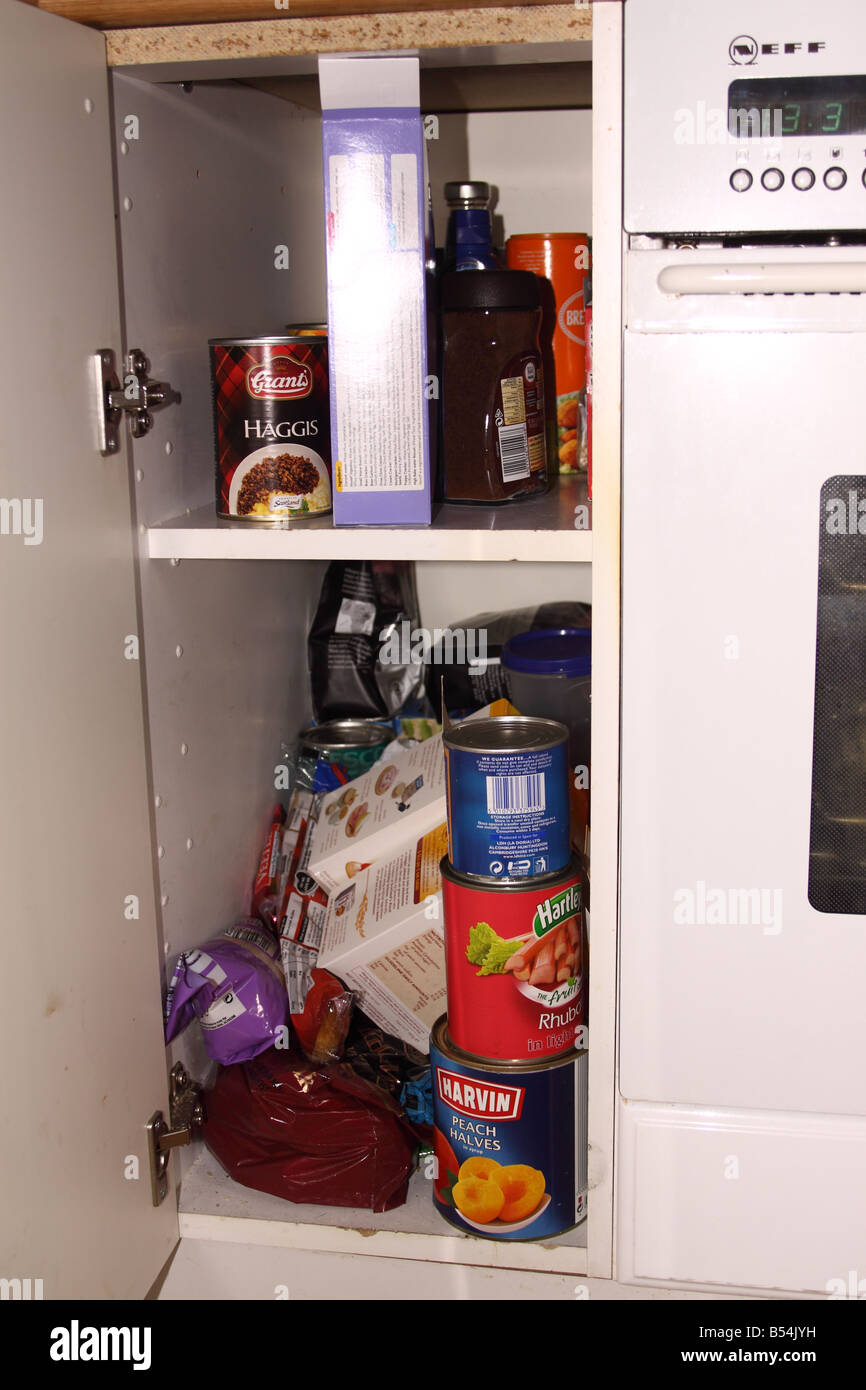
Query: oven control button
{"x": 803, "y": 179}
{"x": 835, "y": 177}
{"x": 741, "y": 179}
{"x": 772, "y": 179}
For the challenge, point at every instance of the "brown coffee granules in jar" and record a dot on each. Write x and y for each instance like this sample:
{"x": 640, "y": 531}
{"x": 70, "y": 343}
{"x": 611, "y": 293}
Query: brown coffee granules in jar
{"x": 493, "y": 431}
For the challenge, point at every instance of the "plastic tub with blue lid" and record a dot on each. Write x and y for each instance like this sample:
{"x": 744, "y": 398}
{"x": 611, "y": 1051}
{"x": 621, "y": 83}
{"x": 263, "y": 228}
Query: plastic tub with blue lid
{"x": 548, "y": 672}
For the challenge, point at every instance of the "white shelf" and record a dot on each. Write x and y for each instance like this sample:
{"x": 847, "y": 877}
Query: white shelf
{"x": 547, "y": 528}
{"x": 214, "y": 1207}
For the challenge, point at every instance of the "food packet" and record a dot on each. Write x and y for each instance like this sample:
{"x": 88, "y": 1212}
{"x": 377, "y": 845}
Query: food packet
{"x": 266, "y": 885}
{"x": 322, "y": 1027}
{"x": 234, "y": 985}
{"x": 381, "y": 1058}
{"x": 319, "y": 1135}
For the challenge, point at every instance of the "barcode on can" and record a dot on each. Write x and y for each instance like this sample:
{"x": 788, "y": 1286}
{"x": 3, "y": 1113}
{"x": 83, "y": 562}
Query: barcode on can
{"x": 513, "y": 452}
{"x": 511, "y": 795}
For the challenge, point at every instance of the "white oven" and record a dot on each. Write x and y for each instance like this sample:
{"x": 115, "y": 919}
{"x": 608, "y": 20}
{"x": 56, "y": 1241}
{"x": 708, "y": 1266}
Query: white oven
{"x": 743, "y": 832}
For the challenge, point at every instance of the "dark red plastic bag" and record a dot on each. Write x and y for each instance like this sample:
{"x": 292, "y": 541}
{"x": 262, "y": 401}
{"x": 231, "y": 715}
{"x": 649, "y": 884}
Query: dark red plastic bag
{"x": 310, "y": 1134}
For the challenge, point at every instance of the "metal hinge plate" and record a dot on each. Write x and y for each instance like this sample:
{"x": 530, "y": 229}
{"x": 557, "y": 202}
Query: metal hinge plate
{"x": 187, "y": 1113}
{"x": 135, "y": 397}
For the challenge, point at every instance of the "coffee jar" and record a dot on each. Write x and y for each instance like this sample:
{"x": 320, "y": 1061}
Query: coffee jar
{"x": 493, "y": 430}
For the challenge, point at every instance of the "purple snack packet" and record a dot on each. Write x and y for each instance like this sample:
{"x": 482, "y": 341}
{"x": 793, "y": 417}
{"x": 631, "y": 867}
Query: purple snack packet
{"x": 235, "y": 985}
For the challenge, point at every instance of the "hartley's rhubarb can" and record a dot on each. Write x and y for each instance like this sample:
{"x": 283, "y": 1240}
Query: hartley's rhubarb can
{"x": 508, "y": 797}
{"x": 509, "y": 1143}
{"x": 514, "y": 965}
{"x": 272, "y": 427}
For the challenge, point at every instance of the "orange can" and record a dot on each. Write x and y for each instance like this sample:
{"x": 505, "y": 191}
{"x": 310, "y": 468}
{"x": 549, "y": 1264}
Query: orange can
{"x": 564, "y": 259}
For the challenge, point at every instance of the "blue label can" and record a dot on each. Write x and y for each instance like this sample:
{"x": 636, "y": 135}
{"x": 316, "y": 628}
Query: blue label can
{"x": 508, "y": 800}
{"x": 509, "y": 1143}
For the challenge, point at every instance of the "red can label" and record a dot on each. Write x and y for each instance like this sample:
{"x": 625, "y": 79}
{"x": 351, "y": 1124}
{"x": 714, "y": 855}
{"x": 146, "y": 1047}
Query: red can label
{"x": 514, "y": 961}
{"x": 272, "y": 426}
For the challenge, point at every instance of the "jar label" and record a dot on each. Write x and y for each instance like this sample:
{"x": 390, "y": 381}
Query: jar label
{"x": 520, "y": 418}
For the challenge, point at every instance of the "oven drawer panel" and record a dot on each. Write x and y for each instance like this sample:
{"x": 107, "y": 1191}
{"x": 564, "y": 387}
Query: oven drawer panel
{"x": 748, "y": 1200}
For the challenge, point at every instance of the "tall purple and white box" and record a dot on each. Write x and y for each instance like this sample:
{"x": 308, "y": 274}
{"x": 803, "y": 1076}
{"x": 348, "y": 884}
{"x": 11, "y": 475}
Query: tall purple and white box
{"x": 375, "y": 216}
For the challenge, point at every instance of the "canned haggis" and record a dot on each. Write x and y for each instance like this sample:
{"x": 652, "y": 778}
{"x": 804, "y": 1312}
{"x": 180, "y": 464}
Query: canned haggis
{"x": 271, "y": 427}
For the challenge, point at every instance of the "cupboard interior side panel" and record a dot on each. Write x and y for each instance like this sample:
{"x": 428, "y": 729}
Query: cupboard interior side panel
{"x": 220, "y": 212}
{"x": 227, "y": 688}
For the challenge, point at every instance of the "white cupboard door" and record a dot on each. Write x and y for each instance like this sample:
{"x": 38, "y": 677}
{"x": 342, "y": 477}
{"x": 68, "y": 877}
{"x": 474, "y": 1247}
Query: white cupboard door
{"x": 735, "y": 991}
{"x": 83, "y": 1060}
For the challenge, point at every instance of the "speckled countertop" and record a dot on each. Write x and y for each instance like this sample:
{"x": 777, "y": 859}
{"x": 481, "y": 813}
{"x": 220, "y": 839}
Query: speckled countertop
{"x": 188, "y": 43}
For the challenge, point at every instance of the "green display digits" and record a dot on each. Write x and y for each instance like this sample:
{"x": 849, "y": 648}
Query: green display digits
{"x": 832, "y": 117}
{"x": 797, "y": 107}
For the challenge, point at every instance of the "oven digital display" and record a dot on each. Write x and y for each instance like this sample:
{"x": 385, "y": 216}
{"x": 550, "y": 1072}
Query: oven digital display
{"x": 770, "y": 107}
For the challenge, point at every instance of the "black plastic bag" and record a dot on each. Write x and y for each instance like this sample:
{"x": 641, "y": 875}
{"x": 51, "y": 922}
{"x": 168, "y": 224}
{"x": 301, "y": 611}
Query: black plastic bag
{"x": 366, "y": 607}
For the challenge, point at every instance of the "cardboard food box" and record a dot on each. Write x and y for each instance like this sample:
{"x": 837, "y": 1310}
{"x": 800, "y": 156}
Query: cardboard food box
{"x": 302, "y": 903}
{"x": 375, "y": 220}
{"x": 397, "y": 801}
{"x": 384, "y": 937}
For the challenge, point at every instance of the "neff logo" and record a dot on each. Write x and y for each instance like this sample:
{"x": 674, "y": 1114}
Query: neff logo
{"x": 76, "y": 1343}
{"x": 744, "y": 50}
{"x": 284, "y": 380}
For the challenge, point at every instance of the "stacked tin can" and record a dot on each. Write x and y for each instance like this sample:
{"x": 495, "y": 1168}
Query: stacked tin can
{"x": 509, "y": 1059}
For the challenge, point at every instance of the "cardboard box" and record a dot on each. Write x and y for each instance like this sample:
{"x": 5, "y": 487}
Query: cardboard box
{"x": 375, "y": 220}
{"x": 384, "y": 937}
{"x": 396, "y": 802}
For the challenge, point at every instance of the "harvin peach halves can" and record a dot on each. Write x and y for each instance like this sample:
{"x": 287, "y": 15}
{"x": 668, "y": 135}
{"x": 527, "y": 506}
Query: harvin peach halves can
{"x": 510, "y": 1147}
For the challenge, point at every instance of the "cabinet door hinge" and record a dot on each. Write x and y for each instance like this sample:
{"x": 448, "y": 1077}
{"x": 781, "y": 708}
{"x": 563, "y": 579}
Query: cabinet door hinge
{"x": 186, "y": 1113}
{"x": 135, "y": 397}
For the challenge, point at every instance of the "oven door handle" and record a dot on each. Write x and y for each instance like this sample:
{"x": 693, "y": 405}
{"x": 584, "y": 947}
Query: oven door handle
{"x": 805, "y": 277}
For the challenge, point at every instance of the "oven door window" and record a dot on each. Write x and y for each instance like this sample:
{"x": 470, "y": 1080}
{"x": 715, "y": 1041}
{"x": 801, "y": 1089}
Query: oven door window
{"x": 837, "y": 842}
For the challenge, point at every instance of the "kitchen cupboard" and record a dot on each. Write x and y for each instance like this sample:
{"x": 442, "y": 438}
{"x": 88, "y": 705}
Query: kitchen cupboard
{"x": 156, "y": 660}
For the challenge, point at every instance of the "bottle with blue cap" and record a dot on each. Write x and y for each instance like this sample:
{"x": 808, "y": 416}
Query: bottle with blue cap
{"x": 469, "y": 238}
